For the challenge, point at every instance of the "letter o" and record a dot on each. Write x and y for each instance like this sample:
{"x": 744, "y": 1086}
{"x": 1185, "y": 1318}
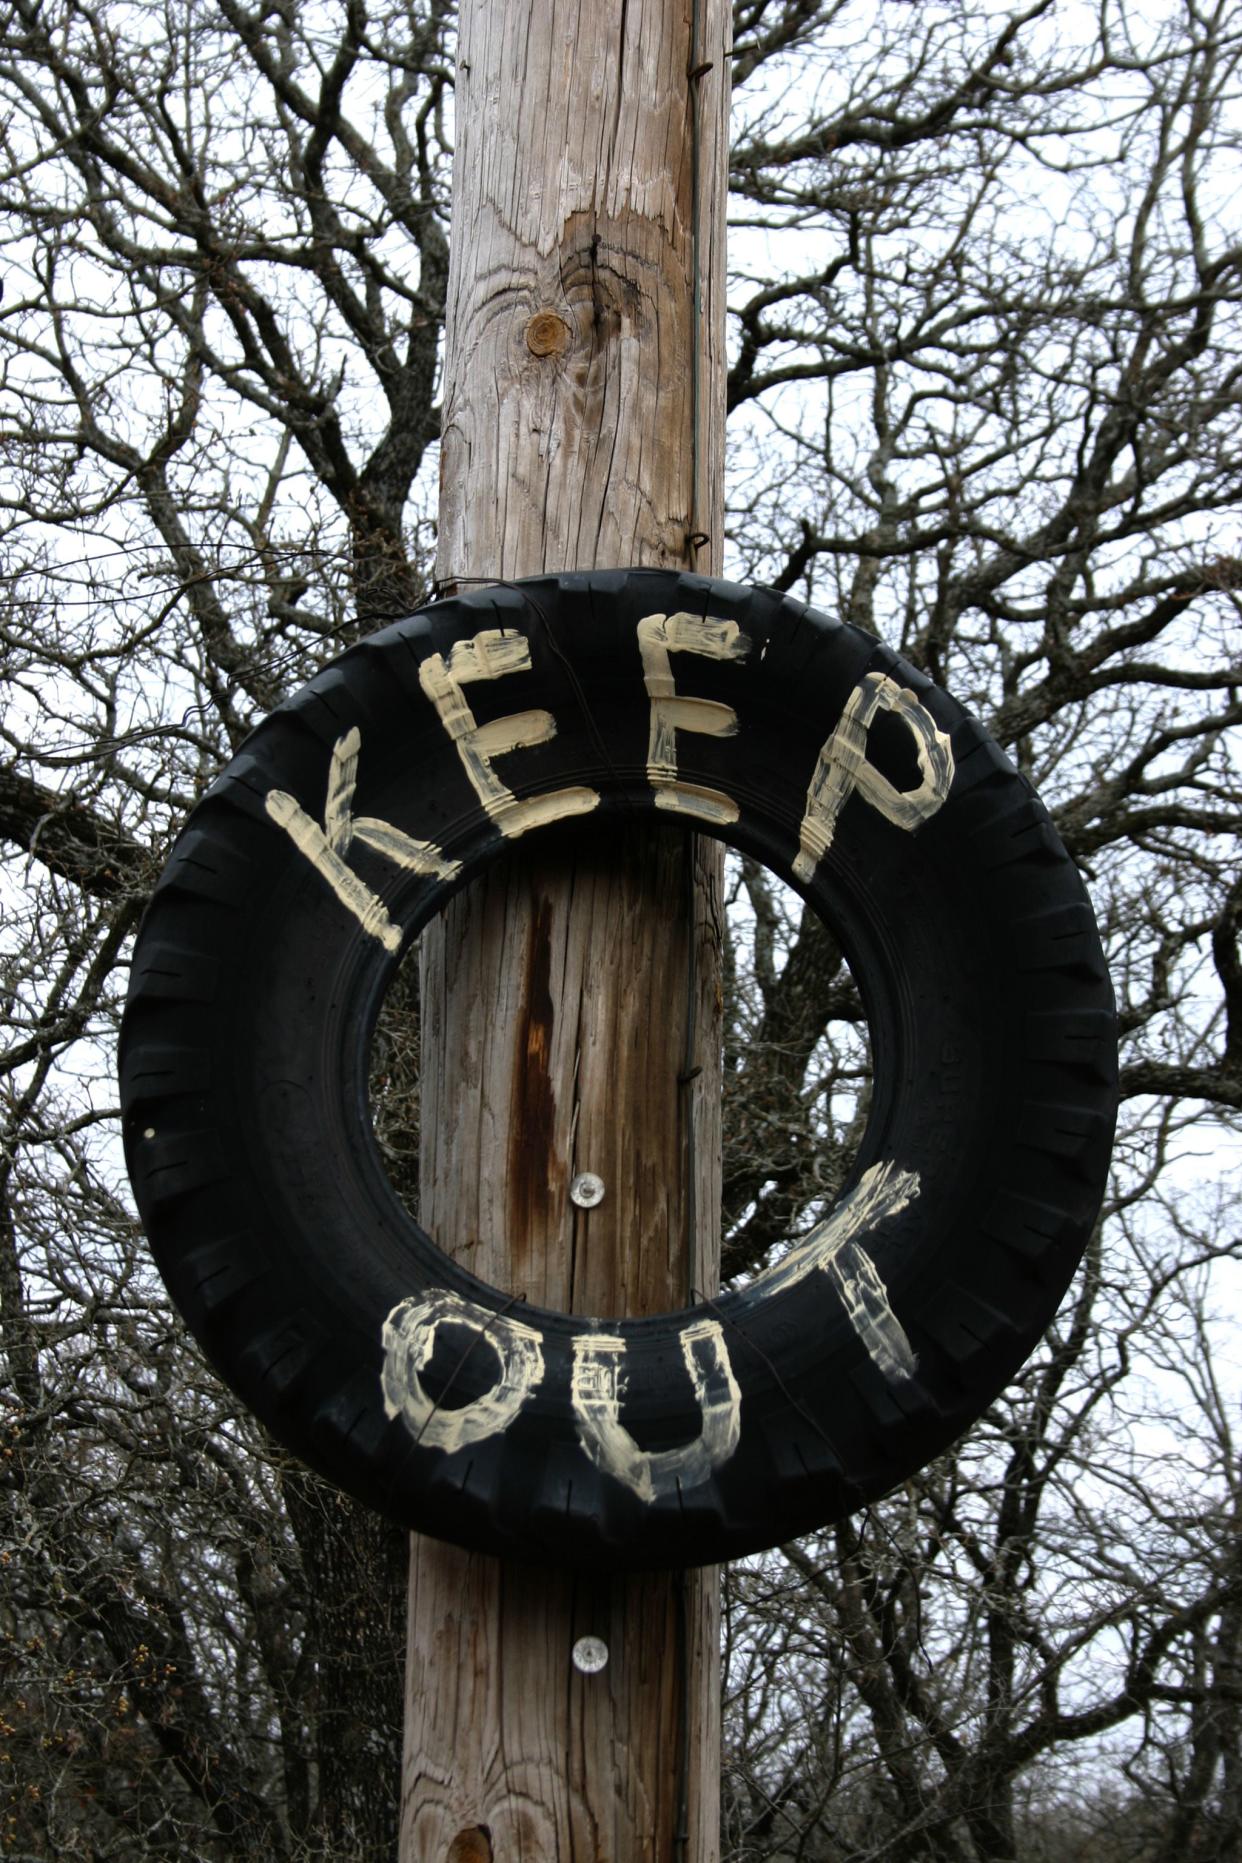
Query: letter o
{"x": 409, "y": 1340}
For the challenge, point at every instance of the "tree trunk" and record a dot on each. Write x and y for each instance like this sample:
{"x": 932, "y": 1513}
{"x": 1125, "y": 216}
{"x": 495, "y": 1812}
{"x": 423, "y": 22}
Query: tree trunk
{"x": 352, "y": 1561}
{"x": 568, "y": 995}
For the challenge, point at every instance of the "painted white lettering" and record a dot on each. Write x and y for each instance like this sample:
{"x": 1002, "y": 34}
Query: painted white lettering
{"x": 865, "y": 1299}
{"x": 409, "y": 1339}
{"x": 598, "y": 1387}
{"x": 658, "y": 637}
{"x": 492, "y": 654}
{"x": 842, "y": 767}
{"x": 326, "y": 847}
{"x": 834, "y": 1248}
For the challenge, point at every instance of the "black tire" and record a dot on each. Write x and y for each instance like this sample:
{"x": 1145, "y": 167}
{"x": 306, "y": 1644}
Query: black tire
{"x": 244, "y": 1067}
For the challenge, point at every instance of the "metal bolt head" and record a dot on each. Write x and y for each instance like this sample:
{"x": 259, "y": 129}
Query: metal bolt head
{"x": 590, "y": 1655}
{"x": 586, "y": 1190}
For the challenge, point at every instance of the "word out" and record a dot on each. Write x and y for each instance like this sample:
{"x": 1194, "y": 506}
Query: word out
{"x": 599, "y": 1370}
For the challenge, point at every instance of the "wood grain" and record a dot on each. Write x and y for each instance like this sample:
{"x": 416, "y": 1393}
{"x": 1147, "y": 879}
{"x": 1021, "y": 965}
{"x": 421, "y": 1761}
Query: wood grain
{"x": 581, "y": 389}
{"x": 574, "y": 199}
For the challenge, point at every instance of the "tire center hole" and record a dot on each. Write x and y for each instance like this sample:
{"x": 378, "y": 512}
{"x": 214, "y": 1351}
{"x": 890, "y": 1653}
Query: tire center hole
{"x": 796, "y": 1082}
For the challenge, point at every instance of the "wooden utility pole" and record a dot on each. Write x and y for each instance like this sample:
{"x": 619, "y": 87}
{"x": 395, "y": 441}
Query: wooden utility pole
{"x": 568, "y": 999}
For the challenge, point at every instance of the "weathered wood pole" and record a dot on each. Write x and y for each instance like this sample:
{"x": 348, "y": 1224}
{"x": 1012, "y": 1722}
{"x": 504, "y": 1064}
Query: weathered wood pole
{"x": 567, "y": 996}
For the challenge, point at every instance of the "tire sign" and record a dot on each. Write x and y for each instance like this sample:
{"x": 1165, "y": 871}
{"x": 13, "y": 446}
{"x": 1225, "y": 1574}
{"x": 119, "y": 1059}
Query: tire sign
{"x": 343, "y": 825}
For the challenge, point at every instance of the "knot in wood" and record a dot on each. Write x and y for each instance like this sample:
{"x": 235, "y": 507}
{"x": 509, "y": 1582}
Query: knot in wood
{"x": 547, "y": 334}
{"x": 472, "y": 1846}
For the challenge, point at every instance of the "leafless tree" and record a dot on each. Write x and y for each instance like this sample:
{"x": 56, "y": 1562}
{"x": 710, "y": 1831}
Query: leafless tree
{"x": 995, "y": 418}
